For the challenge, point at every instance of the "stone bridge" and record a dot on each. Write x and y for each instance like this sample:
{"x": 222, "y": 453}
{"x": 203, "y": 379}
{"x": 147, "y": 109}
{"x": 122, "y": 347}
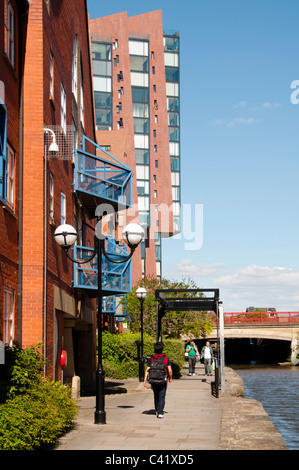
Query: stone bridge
{"x": 279, "y": 327}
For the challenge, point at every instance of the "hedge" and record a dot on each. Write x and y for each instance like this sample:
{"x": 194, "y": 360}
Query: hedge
{"x": 121, "y": 354}
{"x": 34, "y": 411}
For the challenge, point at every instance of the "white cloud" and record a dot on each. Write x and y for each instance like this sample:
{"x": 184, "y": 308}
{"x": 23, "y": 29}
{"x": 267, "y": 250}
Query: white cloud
{"x": 241, "y": 104}
{"x": 253, "y": 285}
{"x": 271, "y": 105}
{"x": 189, "y": 268}
{"x": 236, "y": 121}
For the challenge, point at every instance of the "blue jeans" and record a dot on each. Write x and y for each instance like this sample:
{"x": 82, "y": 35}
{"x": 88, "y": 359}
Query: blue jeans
{"x": 159, "y": 397}
{"x": 208, "y": 369}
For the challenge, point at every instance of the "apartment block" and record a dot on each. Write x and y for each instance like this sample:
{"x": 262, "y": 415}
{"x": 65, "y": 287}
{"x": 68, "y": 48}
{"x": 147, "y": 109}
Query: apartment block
{"x": 135, "y": 67}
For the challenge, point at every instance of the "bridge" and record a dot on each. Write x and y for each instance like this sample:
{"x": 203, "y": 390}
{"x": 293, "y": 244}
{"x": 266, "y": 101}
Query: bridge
{"x": 262, "y": 325}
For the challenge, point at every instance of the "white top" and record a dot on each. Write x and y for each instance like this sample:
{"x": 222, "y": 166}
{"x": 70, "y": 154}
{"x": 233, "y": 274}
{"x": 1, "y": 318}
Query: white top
{"x": 207, "y": 353}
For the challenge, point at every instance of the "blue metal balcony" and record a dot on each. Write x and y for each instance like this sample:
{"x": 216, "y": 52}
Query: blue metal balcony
{"x": 116, "y": 278}
{"x": 101, "y": 179}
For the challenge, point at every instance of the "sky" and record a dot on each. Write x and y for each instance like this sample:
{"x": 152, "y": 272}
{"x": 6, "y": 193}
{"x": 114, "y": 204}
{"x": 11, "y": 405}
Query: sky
{"x": 239, "y": 72}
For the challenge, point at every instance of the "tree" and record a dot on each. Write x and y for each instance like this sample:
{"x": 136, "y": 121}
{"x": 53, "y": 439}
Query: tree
{"x": 187, "y": 323}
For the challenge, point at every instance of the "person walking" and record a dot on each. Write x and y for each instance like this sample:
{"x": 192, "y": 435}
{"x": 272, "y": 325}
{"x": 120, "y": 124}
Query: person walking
{"x": 207, "y": 354}
{"x": 152, "y": 375}
{"x": 192, "y": 351}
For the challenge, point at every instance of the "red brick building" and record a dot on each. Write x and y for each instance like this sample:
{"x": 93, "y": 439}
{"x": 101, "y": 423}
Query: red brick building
{"x": 13, "y": 27}
{"x": 85, "y": 120}
{"x": 136, "y": 89}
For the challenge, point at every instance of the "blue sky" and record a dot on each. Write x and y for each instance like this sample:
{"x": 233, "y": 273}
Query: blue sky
{"x": 239, "y": 145}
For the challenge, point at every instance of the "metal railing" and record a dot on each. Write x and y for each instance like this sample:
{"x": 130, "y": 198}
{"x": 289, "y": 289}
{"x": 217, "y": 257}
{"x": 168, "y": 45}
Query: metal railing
{"x": 252, "y": 318}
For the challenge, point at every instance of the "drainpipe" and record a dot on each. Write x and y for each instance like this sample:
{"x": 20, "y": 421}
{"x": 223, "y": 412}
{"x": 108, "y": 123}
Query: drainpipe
{"x": 45, "y": 258}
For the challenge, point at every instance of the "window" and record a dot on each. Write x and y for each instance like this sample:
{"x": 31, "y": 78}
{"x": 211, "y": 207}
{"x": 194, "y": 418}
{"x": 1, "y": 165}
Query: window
{"x": 10, "y": 177}
{"x": 63, "y": 109}
{"x": 3, "y": 124}
{"x": 8, "y": 316}
{"x": 63, "y": 209}
{"x": 51, "y": 198}
{"x": 81, "y": 102}
{"x": 9, "y": 30}
{"x": 51, "y": 76}
{"x": 74, "y": 69}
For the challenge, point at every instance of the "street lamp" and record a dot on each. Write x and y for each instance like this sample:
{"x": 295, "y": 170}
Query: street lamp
{"x": 65, "y": 235}
{"x": 141, "y": 294}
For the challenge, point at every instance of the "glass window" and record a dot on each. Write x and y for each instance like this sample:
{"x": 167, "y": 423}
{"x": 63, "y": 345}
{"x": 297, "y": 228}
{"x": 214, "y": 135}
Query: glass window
{"x": 171, "y": 43}
{"x": 142, "y": 156}
{"x": 172, "y": 74}
{"x": 140, "y": 94}
{"x": 140, "y": 110}
{"x": 141, "y": 141}
{"x": 8, "y": 317}
{"x": 10, "y": 177}
{"x": 142, "y": 172}
{"x": 175, "y": 163}
{"x": 171, "y": 59}
{"x": 74, "y": 69}
{"x": 101, "y": 51}
{"x": 173, "y": 119}
{"x": 173, "y": 104}
{"x": 103, "y": 100}
{"x": 51, "y": 76}
{"x": 174, "y": 133}
{"x": 138, "y": 47}
{"x": 139, "y": 79}
{"x": 103, "y": 116}
{"x": 172, "y": 89}
{"x": 9, "y": 30}
{"x": 174, "y": 149}
{"x": 63, "y": 108}
{"x": 141, "y": 125}
{"x": 51, "y": 197}
{"x": 102, "y": 84}
{"x": 63, "y": 209}
{"x": 102, "y": 67}
{"x": 139, "y": 64}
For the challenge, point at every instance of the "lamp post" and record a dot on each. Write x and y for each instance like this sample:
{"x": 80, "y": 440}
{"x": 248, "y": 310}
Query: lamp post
{"x": 141, "y": 294}
{"x": 66, "y": 235}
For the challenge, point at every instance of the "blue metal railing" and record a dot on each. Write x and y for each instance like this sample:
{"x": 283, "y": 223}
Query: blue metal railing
{"x": 116, "y": 278}
{"x": 109, "y": 181}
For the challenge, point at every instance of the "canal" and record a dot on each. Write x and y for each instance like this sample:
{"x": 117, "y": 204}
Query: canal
{"x": 277, "y": 388}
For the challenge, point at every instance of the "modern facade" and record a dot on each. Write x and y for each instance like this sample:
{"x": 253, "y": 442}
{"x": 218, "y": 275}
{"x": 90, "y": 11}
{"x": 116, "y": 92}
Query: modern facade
{"x": 136, "y": 91}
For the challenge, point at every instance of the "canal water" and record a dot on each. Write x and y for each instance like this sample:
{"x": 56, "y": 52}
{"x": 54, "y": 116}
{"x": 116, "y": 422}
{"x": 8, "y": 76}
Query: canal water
{"x": 277, "y": 388}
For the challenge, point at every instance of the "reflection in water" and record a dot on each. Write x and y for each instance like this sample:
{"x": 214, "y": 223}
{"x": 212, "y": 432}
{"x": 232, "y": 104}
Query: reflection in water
{"x": 277, "y": 388}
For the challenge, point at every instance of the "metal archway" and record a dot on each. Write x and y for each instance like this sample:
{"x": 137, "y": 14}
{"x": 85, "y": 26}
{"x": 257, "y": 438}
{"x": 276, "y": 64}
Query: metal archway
{"x": 198, "y": 300}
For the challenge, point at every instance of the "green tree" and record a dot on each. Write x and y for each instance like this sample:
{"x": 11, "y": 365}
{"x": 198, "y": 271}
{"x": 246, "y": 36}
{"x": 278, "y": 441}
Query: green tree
{"x": 175, "y": 324}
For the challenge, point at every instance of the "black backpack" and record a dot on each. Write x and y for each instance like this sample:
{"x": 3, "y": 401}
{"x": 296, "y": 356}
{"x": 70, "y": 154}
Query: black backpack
{"x": 157, "y": 374}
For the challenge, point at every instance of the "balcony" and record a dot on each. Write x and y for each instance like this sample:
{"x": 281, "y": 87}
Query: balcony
{"x": 101, "y": 179}
{"x": 116, "y": 278}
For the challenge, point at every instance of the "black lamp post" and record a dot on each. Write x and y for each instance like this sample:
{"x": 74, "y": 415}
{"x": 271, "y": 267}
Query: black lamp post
{"x": 65, "y": 236}
{"x": 141, "y": 294}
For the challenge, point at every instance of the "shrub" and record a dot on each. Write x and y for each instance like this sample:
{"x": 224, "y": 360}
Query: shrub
{"x": 34, "y": 411}
{"x": 121, "y": 354}
{"x": 37, "y": 418}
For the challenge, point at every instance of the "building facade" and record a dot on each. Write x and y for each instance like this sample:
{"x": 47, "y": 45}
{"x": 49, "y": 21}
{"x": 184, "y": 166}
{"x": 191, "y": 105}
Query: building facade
{"x": 89, "y": 134}
{"x": 136, "y": 92}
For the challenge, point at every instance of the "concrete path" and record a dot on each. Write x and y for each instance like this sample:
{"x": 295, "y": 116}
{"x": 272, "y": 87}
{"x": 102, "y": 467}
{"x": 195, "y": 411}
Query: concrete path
{"x": 191, "y": 421}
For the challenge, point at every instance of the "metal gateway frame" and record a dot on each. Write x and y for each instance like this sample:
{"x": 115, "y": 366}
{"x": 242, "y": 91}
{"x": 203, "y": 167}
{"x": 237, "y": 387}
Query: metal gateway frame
{"x": 198, "y": 300}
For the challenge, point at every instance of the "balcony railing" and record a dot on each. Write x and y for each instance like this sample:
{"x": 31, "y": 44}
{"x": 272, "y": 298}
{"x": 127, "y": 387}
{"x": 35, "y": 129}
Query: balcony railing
{"x": 101, "y": 179}
{"x": 116, "y": 278}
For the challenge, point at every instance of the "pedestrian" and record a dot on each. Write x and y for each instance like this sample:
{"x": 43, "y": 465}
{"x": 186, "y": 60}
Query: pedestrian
{"x": 207, "y": 354}
{"x": 192, "y": 351}
{"x": 158, "y": 386}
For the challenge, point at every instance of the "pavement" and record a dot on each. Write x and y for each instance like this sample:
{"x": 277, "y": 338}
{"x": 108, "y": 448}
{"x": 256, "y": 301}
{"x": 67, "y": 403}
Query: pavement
{"x": 192, "y": 418}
